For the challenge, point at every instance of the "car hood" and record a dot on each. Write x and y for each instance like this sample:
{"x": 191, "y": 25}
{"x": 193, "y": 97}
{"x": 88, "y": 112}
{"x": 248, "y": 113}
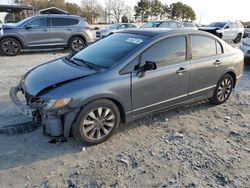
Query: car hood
{"x": 9, "y": 26}
{"x": 209, "y": 28}
{"x": 41, "y": 79}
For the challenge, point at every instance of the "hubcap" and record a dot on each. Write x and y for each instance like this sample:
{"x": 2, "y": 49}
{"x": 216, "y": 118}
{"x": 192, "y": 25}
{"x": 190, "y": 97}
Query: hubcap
{"x": 77, "y": 44}
{"x": 224, "y": 89}
{"x": 98, "y": 123}
{"x": 10, "y": 47}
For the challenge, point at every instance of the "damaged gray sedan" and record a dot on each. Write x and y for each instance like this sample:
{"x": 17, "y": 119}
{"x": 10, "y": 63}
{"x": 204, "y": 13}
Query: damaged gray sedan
{"x": 126, "y": 76}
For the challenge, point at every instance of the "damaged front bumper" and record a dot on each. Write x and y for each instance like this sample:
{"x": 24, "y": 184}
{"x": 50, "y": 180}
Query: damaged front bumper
{"x": 55, "y": 122}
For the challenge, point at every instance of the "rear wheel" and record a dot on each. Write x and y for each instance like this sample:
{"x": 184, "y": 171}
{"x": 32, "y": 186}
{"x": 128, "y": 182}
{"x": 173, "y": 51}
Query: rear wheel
{"x": 76, "y": 44}
{"x": 97, "y": 122}
{"x": 238, "y": 38}
{"x": 223, "y": 90}
{"x": 10, "y": 47}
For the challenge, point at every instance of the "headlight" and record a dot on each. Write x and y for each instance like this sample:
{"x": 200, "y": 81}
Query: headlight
{"x": 57, "y": 103}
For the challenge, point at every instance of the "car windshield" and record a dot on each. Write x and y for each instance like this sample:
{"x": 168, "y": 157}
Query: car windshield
{"x": 217, "y": 24}
{"x": 23, "y": 21}
{"x": 151, "y": 24}
{"x": 113, "y": 26}
{"x": 109, "y": 51}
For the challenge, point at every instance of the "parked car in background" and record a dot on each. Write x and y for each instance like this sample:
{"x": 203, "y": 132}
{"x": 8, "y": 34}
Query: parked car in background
{"x": 101, "y": 33}
{"x": 226, "y": 30}
{"x": 190, "y": 25}
{"x": 45, "y": 31}
{"x": 127, "y": 76}
{"x": 245, "y": 47}
{"x": 163, "y": 24}
{"x": 246, "y": 32}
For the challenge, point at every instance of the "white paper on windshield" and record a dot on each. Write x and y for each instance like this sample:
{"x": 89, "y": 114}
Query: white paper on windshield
{"x": 134, "y": 40}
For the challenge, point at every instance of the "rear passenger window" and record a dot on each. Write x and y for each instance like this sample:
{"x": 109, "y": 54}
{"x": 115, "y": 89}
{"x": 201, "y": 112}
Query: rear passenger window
{"x": 203, "y": 46}
{"x": 167, "y": 52}
{"x": 64, "y": 21}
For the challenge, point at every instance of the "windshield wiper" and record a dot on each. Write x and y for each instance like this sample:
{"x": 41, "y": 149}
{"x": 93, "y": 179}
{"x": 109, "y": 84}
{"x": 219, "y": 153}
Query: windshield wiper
{"x": 88, "y": 64}
{"x": 72, "y": 61}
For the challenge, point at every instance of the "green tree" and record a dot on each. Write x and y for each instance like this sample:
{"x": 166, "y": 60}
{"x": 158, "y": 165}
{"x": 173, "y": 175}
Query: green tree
{"x": 156, "y": 9}
{"x": 182, "y": 12}
{"x": 72, "y": 8}
{"x": 142, "y": 10}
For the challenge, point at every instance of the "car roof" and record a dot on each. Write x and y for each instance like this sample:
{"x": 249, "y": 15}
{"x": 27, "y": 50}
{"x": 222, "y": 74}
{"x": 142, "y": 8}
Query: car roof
{"x": 57, "y": 15}
{"x": 153, "y": 32}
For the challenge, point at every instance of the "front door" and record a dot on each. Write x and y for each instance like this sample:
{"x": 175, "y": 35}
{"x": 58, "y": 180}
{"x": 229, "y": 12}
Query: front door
{"x": 36, "y": 33}
{"x": 168, "y": 84}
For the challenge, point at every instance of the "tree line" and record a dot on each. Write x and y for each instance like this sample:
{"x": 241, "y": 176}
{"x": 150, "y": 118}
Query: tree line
{"x": 117, "y": 10}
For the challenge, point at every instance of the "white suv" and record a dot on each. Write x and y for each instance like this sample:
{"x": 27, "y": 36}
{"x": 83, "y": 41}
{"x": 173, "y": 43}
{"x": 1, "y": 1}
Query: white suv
{"x": 226, "y": 30}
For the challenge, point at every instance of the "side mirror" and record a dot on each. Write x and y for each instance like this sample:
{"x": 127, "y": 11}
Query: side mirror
{"x": 149, "y": 65}
{"x": 28, "y": 26}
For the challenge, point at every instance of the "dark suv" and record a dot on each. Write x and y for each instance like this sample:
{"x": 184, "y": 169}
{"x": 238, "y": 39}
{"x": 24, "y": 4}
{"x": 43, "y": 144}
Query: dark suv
{"x": 45, "y": 31}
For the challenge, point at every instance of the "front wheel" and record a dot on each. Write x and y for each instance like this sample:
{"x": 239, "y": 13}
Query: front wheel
{"x": 223, "y": 90}
{"x": 10, "y": 47}
{"x": 96, "y": 122}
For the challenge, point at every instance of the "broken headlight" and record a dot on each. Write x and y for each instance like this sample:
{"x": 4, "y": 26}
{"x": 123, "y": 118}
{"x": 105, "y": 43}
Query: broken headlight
{"x": 57, "y": 103}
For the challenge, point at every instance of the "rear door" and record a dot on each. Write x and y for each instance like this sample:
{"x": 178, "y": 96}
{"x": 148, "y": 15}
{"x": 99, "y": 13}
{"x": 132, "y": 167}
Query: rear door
{"x": 62, "y": 29}
{"x": 206, "y": 65}
{"x": 36, "y": 32}
{"x": 168, "y": 84}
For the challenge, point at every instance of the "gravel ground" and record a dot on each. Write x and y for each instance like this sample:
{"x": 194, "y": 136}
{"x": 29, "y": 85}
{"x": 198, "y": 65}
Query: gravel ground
{"x": 198, "y": 145}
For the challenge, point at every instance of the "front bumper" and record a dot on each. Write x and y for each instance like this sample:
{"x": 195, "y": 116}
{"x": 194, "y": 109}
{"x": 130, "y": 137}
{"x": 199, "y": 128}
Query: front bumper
{"x": 20, "y": 105}
{"x": 51, "y": 121}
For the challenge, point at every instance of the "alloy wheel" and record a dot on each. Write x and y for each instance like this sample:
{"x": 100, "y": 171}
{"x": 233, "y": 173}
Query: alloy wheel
{"x": 224, "y": 89}
{"x": 10, "y": 47}
{"x": 98, "y": 123}
{"x": 77, "y": 44}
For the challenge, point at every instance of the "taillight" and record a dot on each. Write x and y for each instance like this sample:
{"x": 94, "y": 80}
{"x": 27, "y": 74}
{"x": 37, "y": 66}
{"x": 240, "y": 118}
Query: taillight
{"x": 87, "y": 27}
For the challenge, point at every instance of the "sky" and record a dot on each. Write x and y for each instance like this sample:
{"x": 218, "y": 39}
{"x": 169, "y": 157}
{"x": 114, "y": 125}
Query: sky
{"x": 208, "y": 11}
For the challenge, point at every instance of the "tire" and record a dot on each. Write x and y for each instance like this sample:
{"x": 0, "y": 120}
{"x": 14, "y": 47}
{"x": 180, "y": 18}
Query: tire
{"x": 10, "y": 47}
{"x": 223, "y": 90}
{"x": 96, "y": 122}
{"x": 76, "y": 44}
{"x": 238, "y": 38}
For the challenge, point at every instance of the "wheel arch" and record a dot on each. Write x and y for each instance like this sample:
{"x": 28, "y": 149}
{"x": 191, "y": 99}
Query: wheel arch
{"x": 231, "y": 73}
{"x": 70, "y": 118}
{"x": 13, "y": 37}
{"x": 77, "y": 35}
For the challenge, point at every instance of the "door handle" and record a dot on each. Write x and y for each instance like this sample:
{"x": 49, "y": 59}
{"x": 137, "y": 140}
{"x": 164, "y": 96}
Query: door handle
{"x": 181, "y": 70}
{"x": 217, "y": 62}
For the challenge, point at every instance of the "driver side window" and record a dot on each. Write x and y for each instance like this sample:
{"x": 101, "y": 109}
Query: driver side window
{"x": 167, "y": 52}
{"x": 39, "y": 22}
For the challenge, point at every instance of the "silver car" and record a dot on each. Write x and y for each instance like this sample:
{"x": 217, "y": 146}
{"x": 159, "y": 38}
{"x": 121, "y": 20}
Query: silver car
{"x": 101, "y": 33}
{"x": 127, "y": 76}
{"x": 45, "y": 31}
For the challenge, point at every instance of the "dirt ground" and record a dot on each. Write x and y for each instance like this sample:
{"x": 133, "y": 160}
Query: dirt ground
{"x": 198, "y": 145}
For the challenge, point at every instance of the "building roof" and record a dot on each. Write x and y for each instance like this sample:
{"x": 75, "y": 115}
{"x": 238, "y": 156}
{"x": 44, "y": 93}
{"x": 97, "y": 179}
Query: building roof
{"x": 14, "y": 8}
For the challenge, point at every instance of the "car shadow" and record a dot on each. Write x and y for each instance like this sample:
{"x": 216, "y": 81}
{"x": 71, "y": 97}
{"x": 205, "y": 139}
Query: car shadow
{"x": 25, "y": 149}
{"x": 41, "y": 51}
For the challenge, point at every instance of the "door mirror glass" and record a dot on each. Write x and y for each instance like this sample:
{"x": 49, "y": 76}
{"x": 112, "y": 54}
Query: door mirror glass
{"x": 28, "y": 26}
{"x": 149, "y": 65}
